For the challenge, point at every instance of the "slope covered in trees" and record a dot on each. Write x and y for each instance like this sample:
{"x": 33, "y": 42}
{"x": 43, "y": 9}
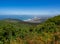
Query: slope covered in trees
{"x": 24, "y": 33}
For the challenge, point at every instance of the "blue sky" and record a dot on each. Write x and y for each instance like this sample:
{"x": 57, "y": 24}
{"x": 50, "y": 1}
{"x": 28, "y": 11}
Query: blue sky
{"x": 29, "y": 7}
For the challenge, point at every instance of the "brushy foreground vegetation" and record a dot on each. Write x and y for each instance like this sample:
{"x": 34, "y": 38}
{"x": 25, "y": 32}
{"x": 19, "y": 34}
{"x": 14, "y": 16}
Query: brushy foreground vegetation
{"x": 21, "y": 33}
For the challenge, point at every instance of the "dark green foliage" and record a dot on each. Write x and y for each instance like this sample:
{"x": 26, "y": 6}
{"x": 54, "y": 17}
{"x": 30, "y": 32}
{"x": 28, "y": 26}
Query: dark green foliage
{"x": 55, "y": 19}
{"x": 9, "y": 30}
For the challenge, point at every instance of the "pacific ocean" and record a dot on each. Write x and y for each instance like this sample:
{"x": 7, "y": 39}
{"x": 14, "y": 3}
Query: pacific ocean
{"x": 22, "y": 17}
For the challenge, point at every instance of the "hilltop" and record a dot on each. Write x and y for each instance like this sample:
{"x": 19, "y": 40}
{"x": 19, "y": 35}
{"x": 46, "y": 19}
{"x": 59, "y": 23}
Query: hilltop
{"x": 13, "y": 31}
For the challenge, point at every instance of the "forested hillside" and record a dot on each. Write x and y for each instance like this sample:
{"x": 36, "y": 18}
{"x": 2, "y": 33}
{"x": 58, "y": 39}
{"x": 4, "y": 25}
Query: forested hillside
{"x": 24, "y": 33}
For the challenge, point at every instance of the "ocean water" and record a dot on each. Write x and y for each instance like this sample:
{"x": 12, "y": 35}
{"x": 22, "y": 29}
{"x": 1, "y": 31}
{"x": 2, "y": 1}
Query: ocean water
{"x": 22, "y": 17}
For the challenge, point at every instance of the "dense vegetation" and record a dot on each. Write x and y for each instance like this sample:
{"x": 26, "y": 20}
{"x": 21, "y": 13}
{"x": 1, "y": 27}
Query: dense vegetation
{"x": 21, "y": 33}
